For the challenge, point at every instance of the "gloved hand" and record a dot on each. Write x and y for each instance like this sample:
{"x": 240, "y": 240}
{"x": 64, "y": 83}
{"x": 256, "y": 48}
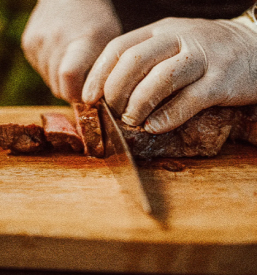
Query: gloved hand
{"x": 63, "y": 39}
{"x": 201, "y": 62}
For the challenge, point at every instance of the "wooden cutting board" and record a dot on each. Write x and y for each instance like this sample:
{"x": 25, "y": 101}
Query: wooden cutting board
{"x": 61, "y": 211}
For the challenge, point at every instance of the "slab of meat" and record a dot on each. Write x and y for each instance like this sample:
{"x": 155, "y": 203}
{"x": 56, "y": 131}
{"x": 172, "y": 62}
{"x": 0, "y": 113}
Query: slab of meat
{"x": 202, "y": 135}
{"x": 89, "y": 128}
{"x": 61, "y": 133}
{"x": 21, "y": 138}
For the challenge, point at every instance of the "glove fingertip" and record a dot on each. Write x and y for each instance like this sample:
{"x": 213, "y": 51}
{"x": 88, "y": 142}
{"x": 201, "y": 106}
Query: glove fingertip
{"x": 160, "y": 124}
{"x": 90, "y": 98}
{"x": 129, "y": 120}
{"x": 148, "y": 126}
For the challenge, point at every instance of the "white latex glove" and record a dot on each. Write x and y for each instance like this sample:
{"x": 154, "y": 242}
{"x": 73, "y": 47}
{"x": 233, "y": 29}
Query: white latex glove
{"x": 63, "y": 38}
{"x": 203, "y": 62}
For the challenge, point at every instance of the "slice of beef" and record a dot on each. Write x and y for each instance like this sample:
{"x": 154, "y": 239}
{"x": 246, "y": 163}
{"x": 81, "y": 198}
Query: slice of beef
{"x": 61, "y": 133}
{"x": 202, "y": 135}
{"x": 89, "y": 128}
{"x": 22, "y": 139}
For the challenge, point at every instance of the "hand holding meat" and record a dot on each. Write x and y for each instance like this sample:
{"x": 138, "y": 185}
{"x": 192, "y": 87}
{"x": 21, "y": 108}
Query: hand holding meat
{"x": 200, "y": 62}
{"x": 64, "y": 38}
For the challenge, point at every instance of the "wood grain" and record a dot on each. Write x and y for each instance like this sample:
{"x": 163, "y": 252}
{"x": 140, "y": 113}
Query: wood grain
{"x": 67, "y": 212}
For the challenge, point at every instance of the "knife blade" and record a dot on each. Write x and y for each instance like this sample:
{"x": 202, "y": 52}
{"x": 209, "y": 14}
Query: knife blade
{"x": 121, "y": 161}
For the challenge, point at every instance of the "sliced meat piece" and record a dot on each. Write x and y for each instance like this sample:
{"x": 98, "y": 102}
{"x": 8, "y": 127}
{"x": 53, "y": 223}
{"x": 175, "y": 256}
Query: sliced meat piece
{"x": 202, "y": 135}
{"x": 89, "y": 128}
{"x": 61, "y": 133}
{"x": 21, "y": 138}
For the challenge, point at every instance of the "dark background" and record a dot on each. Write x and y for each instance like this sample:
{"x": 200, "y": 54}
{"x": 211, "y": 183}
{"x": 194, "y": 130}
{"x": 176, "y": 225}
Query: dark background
{"x": 19, "y": 83}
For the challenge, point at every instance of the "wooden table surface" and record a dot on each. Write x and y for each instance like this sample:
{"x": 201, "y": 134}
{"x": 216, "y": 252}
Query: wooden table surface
{"x": 67, "y": 212}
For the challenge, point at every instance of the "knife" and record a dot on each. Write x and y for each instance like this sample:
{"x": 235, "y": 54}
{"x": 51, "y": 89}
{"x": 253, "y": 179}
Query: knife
{"x": 120, "y": 160}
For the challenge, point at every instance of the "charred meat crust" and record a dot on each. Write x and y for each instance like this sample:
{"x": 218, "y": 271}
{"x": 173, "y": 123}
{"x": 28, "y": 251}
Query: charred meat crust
{"x": 202, "y": 135}
{"x": 245, "y": 126}
{"x": 21, "y": 138}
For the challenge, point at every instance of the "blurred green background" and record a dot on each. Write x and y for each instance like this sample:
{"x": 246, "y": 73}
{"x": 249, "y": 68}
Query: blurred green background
{"x": 19, "y": 83}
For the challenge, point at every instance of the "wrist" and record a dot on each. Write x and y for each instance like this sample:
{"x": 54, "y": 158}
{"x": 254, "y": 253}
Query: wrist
{"x": 249, "y": 18}
{"x": 252, "y": 13}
